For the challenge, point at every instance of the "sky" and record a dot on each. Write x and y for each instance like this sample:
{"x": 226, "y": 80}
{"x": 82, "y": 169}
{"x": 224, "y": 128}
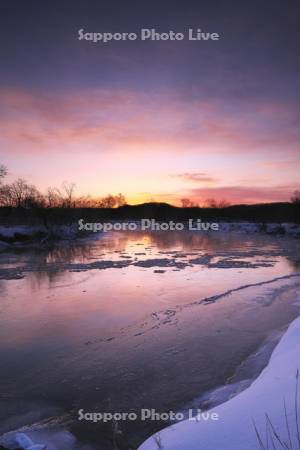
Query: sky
{"x": 155, "y": 120}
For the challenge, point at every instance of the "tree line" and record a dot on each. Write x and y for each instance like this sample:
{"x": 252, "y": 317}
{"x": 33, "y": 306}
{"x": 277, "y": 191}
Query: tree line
{"x": 21, "y": 194}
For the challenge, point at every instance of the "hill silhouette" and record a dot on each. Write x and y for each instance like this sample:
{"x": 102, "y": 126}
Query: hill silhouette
{"x": 266, "y": 213}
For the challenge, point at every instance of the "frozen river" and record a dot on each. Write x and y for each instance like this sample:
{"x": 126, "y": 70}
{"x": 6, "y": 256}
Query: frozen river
{"x": 134, "y": 320}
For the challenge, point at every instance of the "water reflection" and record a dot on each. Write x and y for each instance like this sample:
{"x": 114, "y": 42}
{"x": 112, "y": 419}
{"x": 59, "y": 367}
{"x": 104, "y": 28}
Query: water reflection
{"x": 128, "y": 333}
{"x": 50, "y": 262}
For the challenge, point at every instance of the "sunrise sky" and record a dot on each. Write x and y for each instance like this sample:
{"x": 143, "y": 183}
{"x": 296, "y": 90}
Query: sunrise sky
{"x": 155, "y": 120}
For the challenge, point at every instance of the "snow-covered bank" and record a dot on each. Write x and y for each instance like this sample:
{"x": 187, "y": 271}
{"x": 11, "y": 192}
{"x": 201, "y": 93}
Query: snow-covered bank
{"x": 24, "y": 230}
{"x": 40, "y": 439}
{"x": 23, "y": 233}
{"x": 289, "y": 229}
{"x": 235, "y": 430}
{"x": 48, "y": 431}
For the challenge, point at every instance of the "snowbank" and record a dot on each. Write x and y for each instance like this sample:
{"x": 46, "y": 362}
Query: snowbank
{"x": 11, "y": 232}
{"x": 290, "y": 229}
{"x": 71, "y": 231}
{"x": 42, "y": 439}
{"x": 24, "y": 233}
{"x": 235, "y": 429}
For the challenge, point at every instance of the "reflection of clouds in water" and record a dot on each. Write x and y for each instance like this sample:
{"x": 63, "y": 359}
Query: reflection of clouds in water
{"x": 199, "y": 241}
{"x": 49, "y": 263}
{"x": 2, "y": 286}
{"x": 294, "y": 262}
{"x": 54, "y": 329}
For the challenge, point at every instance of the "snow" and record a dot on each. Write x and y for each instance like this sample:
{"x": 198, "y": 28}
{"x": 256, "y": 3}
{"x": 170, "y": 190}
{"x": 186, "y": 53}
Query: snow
{"x": 290, "y": 229}
{"x": 235, "y": 429}
{"x": 40, "y": 438}
{"x": 40, "y": 427}
{"x": 59, "y": 231}
{"x": 10, "y": 232}
{"x": 26, "y": 443}
{"x": 71, "y": 230}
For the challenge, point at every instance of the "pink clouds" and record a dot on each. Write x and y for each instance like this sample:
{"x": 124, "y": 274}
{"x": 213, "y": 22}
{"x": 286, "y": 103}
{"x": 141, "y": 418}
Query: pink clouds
{"x": 141, "y": 138}
{"x": 196, "y": 177}
{"x": 130, "y": 121}
{"x": 235, "y": 194}
{"x": 245, "y": 194}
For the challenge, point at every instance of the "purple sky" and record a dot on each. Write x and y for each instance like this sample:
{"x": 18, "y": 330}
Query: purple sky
{"x": 155, "y": 120}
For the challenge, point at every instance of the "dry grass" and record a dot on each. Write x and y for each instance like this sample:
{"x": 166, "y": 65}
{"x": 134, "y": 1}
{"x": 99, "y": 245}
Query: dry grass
{"x": 158, "y": 442}
{"x": 272, "y": 439}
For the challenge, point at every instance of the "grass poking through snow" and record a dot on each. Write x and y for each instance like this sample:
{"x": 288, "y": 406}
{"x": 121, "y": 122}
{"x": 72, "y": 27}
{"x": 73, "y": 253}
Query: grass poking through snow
{"x": 273, "y": 438}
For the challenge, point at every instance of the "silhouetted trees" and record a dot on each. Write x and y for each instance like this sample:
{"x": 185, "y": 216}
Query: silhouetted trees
{"x": 53, "y": 198}
{"x": 112, "y": 201}
{"x": 121, "y": 200}
{"x": 296, "y": 197}
{"x": 20, "y": 194}
{"x": 209, "y": 203}
{"x": 68, "y": 195}
{"x": 213, "y": 203}
{"x": 187, "y": 203}
{"x": 3, "y": 172}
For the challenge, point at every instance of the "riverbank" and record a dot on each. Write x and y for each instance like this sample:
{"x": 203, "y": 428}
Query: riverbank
{"x": 260, "y": 413}
{"x": 39, "y": 233}
{"x": 143, "y": 319}
{"x": 23, "y": 234}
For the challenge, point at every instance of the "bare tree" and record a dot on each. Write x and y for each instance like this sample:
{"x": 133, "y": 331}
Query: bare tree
{"x": 20, "y": 194}
{"x": 186, "y": 203}
{"x": 6, "y": 197}
{"x": 85, "y": 201}
{"x": 296, "y": 197}
{"x": 213, "y": 203}
{"x": 54, "y": 198}
{"x": 108, "y": 202}
{"x": 18, "y": 189}
{"x": 68, "y": 191}
{"x": 223, "y": 204}
{"x": 3, "y": 172}
{"x": 120, "y": 200}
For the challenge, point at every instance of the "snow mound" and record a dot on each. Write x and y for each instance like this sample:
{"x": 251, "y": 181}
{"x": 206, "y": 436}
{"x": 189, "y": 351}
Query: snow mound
{"x": 35, "y": 438}
{"x": 10, "y": 232}
{"x": 235, "y": 428}
{"x": 26, "y": 443}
